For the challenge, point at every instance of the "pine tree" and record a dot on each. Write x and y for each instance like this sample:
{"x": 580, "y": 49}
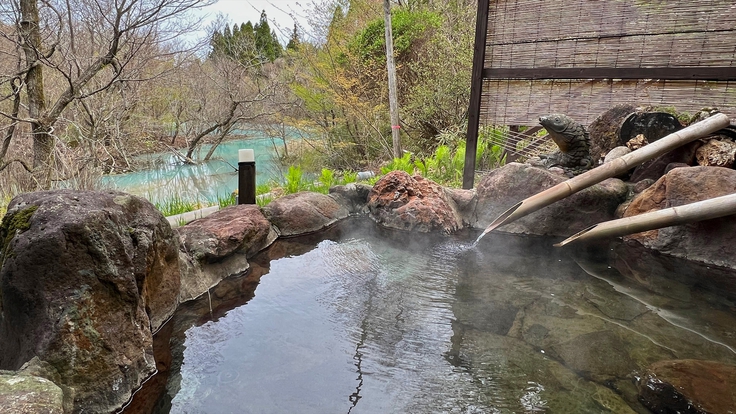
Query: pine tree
{"x": 294, "y": 40}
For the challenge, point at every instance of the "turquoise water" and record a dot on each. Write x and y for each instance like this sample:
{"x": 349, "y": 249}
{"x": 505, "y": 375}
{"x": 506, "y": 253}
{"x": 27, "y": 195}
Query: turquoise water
{"x": 203, "y": 182}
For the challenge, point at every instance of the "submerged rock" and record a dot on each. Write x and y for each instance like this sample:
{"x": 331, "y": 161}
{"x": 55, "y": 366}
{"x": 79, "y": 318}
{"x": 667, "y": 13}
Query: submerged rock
{"x": 219, "y": 245}
{"x": 689, "y": 386}
{"x": 403, "y": 202}
{"x": 304, "y": 212}
{"x": 709, "y": 241}
{"x": 86, "y": 276}
{"x": 508, "y": 185}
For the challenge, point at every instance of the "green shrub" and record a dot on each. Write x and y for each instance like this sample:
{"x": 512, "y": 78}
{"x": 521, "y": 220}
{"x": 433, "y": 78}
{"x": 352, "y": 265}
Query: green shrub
{"x": 400, "y": 164}
{"x": 294, "y": 180}
{"x": 176, "y": 205}
{"x": 225, "y": 201}
{"x": 325, "y": 181}
{"x": 349, "y": 177}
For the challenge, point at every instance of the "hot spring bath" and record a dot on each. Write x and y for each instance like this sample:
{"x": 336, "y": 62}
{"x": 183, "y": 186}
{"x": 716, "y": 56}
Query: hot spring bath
{"x": 362, "y": 320}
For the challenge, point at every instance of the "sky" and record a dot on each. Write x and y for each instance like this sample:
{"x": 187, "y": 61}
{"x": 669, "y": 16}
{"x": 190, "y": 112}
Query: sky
{"x": 278, "y": 12}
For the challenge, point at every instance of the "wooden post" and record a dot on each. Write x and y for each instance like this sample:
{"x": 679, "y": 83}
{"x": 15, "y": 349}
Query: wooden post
{"x": 391, "y": 68}
{"x": 476, "y": 89}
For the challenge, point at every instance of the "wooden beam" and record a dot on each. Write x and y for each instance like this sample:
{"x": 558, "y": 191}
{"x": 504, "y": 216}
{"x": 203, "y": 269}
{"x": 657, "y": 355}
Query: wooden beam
{"x": 676, "y": 73}
{"x": 476, "y": 91}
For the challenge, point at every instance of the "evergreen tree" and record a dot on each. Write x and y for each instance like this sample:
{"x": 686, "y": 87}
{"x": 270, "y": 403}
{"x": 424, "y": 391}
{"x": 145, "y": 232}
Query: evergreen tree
{"x": 267, "y": 44}
{"x": 247, "y": 43}
{"x": 294, "y": 40}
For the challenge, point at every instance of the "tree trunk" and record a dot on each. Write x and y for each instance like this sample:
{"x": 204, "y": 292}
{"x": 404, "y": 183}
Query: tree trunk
{"x": 31, "y": 35}
{"x": 391, "y": 68}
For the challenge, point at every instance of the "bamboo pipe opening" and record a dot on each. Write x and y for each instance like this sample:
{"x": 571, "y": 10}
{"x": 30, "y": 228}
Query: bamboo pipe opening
{"x": 575, "y": 236}
{"x": 500, "y": 219}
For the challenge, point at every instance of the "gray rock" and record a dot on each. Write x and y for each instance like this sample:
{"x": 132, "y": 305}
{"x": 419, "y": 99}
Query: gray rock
{"x": 617, "y": 152}
{"x": 506, "y": 186}
{"x": 303, "y": 213}
{"x": 656, "y": 168}
{"x": 465, "y": 201}
{"x": 86, "y": 276}
{"x": 22, "y": 394}
{"x": 352, "y": 196}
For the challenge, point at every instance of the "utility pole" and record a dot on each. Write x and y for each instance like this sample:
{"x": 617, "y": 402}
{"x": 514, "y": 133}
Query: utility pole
{"x": 391, "y": 67}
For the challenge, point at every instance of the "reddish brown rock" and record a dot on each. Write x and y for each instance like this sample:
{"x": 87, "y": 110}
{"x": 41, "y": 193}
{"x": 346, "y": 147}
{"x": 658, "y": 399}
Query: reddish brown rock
{"x": 506, "y": 186}
{"x": 304, "y": 212}
{"x": 241, "y": 227}
{"x": 709, "y": 241}
{"x": 689, "y": 386}
{"x": 403, "y": 202}
{"x": 716, "y": 153}
{"x": 218, "y": 246}
{"x": 85, "y": 277}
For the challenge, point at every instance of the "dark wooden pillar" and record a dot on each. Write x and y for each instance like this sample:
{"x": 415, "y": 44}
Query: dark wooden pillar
{"x": 476, "y": 89}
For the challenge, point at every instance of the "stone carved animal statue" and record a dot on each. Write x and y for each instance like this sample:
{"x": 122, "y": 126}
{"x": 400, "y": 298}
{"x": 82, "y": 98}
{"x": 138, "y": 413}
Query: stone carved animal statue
{"x": 573, "y": 142}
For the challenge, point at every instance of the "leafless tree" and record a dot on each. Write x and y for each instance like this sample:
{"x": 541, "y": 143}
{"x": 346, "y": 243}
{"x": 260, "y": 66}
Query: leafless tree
{"x": 87, "y": 47}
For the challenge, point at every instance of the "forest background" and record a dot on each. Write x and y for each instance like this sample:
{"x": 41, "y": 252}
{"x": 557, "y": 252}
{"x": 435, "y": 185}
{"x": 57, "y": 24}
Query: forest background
{"x": 87, "y": 84}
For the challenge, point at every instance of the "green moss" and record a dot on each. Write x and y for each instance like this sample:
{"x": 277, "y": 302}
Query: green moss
{"x": 11, "y": 224}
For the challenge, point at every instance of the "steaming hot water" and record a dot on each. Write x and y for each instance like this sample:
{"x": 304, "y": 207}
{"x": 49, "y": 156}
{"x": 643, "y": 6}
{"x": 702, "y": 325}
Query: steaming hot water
{"x": 369, "y": 321}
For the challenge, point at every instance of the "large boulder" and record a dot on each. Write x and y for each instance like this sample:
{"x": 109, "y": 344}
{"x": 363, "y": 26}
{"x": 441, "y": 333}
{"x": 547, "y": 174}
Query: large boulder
{"x": 403, "y": 202}
{"x": 507, "y": 186}
{"x": 220, "y": 245}
{"x": 85, "y": 278}
{"x": 709, "y": 241}
{"x": 689, "y": 386}
{"x": 304, "y": 212}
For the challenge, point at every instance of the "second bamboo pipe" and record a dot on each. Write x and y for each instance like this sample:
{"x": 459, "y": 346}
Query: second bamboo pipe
{"x": 687, "y": 213}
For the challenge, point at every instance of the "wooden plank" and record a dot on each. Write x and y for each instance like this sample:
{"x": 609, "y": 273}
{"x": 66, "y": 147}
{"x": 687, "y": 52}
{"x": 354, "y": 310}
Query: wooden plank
{"x": 686, "y": 73}
{"x": 679, "y": 50}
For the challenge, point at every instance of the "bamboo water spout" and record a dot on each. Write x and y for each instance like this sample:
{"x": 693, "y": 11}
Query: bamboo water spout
{"x": 610, "y": 169}
{"x": 688, "y": 213}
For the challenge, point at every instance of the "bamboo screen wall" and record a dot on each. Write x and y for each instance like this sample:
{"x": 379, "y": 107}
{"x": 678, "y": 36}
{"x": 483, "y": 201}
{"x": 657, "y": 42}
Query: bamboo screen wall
{"x": 581, "y": 57}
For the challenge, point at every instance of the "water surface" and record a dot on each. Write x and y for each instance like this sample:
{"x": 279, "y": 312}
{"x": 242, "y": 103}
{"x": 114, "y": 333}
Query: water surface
{"x": 370, "y": 321}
